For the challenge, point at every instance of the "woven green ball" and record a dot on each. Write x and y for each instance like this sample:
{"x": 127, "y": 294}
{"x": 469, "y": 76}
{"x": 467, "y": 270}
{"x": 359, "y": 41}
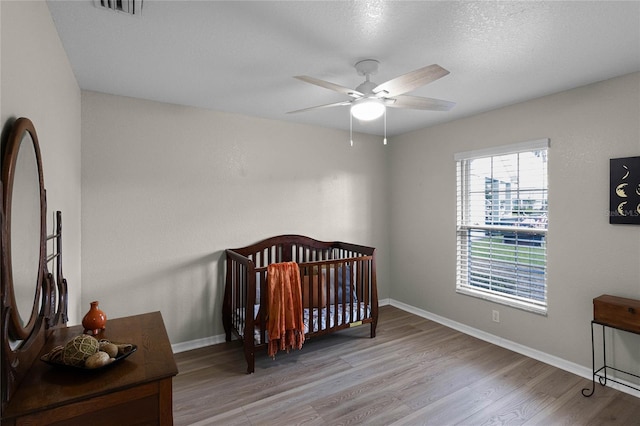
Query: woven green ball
{"x": 78, "y": 349}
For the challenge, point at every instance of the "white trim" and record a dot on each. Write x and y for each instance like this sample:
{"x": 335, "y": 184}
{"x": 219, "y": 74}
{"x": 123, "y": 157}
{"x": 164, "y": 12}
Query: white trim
{"x": 503, "y": 149}
{"x": 469, "y": 290}
{"x": 385, "y": 302}
{"x": 197, "y": 344}
{"x": 555, "y": 361}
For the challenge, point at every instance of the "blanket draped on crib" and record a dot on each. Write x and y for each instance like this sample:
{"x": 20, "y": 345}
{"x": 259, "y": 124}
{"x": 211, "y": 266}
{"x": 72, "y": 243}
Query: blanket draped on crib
{"x": 285, "y": 325}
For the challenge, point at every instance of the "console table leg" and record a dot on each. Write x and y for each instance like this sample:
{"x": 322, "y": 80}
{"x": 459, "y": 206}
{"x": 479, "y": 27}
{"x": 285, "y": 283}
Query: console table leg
{"x": 585, "y": 391}
{"x": 603, "y": 379}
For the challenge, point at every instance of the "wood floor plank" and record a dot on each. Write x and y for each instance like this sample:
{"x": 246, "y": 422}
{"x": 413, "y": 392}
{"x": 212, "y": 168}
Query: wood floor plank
{"x": 623, "y": 410}
{"x": 414, "y": 372}
{"x": 519, "y": 401}
{"x": 290, "y": 415}
{"x": 574, "y": 409}
{"x": 460, "y": 404}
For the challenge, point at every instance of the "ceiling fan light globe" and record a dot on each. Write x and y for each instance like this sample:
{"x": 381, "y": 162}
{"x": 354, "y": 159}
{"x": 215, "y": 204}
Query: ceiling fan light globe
{"x": 367, "y": 109}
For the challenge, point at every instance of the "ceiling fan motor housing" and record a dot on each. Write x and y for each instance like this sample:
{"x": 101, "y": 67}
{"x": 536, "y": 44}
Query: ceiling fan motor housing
{"x": 366, "y": 87}
{"x": 367, "y": 67}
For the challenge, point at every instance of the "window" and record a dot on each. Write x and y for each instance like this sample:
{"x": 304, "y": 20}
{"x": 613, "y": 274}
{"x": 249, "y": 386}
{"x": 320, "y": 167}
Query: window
{"x": 502, "y": 224}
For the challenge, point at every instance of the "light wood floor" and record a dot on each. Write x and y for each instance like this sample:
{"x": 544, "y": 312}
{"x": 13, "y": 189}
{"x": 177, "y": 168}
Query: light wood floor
{"x": 414, "y": 372}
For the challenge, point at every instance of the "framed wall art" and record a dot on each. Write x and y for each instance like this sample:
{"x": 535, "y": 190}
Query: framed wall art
{"x": 624, "y": 194}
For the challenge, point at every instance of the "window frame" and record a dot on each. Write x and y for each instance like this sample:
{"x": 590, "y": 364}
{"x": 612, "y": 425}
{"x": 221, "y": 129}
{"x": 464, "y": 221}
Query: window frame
{"x": 465, "y": 229}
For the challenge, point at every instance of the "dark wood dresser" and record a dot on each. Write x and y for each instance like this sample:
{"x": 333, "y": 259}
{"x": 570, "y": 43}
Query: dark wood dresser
{"x": 135, "y": 390}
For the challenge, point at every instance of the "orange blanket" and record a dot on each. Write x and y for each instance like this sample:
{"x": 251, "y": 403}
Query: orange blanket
{"x": 284, "y": 315}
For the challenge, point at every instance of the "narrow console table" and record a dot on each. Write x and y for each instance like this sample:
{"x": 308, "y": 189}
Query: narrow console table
{"x": 617, "y": 313}
{"x": 136, "y": 390}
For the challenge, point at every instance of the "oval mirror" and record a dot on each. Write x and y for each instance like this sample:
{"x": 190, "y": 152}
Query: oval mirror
{"x": 25, "y": 223}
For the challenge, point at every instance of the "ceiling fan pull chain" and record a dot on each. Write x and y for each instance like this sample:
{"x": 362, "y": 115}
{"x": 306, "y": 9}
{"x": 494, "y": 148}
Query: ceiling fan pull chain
{"x": 351, "y": 128}
{"x": 384, "y": 141}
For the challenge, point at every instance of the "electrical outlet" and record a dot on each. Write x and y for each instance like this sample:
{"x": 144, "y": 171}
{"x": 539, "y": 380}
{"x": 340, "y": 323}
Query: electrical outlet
{"x": 496, "y": 316}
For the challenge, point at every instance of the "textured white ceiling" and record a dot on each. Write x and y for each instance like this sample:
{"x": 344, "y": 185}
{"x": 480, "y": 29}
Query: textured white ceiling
{"x": 241, "y": 56}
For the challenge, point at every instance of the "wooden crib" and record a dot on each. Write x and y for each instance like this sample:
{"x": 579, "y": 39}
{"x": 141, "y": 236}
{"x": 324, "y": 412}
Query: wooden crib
{"x": 338, "y": 283}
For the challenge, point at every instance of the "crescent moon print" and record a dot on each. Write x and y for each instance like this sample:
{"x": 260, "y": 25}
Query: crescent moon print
{"x": 624, "y": 190}
{"x": 620, "y": 190}
{"x": 626, "y": 175}
{"x": 621, "y": 208}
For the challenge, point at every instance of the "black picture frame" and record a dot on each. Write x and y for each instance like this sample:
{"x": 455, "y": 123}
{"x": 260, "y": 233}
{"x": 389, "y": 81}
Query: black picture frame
{"x": 624, "y": 194}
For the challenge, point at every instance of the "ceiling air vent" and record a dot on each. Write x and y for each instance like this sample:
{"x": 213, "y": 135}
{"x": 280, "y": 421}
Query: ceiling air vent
{"x": 131, "y": 7}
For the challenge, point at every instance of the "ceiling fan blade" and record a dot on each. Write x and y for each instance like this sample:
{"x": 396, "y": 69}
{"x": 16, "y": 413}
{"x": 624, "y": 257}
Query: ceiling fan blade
{"x": 417, "y": 102}
{"x": 410, "y": 81}
{"x": 331, "y": 86}
{"x": 320, "y": 107}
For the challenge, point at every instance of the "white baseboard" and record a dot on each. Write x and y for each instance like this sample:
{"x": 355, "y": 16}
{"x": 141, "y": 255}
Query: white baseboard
{"x": 555, "y": 361}
{"x": 384, "y": 302}
{"x": 197, "y": 344}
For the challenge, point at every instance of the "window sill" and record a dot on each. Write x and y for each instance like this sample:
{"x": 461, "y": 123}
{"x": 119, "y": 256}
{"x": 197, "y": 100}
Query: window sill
{"x": 492, "y": 297}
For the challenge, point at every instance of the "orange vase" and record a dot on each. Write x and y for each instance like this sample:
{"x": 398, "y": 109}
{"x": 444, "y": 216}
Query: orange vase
{"x": 94, "y": 320}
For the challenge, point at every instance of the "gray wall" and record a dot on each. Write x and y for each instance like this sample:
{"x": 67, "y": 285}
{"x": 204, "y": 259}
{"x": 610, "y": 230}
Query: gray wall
{"x": 166, "y": 189}
{"x": 37, "y": 82}
{"x": 587, "y": 257}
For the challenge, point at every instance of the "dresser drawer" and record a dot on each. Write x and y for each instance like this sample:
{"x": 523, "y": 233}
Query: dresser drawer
{"x": 617, "y": 312}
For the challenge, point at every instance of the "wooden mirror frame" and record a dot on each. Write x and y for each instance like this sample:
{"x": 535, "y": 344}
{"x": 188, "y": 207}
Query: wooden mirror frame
{"x": 22, "y": 134}
{"x": 21, "y": 343}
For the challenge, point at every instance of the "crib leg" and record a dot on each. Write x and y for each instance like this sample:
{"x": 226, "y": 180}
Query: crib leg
{"x": 250, "y": 356}
{"x": 373, "y": 329}
{"x": 227, "y": 331}
{"x": 226, "y": 317}
{"x": 226, "y": 323}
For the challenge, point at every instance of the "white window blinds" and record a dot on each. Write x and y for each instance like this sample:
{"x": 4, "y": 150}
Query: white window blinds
{"x": 502, "y": 213}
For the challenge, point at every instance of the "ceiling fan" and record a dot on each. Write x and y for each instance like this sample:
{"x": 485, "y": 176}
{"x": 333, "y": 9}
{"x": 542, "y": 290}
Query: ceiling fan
{"x": 369, "y": 100}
